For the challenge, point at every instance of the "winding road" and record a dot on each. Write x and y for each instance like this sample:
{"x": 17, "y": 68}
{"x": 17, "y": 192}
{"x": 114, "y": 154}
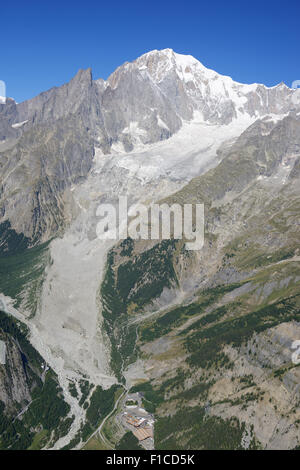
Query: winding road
{"x": 98, "y": 430}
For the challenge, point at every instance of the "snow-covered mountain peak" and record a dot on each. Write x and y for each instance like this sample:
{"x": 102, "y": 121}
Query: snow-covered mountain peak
{"x": 159, "y": 63}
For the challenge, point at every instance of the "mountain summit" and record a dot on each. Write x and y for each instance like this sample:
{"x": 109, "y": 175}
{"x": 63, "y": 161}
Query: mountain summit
{"x": 191, "y": 87}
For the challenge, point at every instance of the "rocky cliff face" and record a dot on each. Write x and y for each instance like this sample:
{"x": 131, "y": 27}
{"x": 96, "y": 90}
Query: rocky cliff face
{"x": 14, "y": 387}
{"x": 32, "y": 409}
{"x": 8, "y": 113}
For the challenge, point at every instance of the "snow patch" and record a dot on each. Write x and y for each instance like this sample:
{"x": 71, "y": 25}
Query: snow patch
{"x": 275, "y": 117}
{"x": 17, "y": 125}
{"x": 162, "y": 124}
{"x": 134, "y": 129}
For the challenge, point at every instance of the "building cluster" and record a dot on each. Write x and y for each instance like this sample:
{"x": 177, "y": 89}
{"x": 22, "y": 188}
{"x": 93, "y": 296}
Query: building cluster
{"x": 136, "y": 419}
{"x": 142, "y": 427}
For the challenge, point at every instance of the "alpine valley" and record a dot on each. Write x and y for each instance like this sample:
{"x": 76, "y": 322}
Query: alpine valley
{"x": 203, "y": 338}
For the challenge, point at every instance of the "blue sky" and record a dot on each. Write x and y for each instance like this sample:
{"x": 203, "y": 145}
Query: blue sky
{"x": 44, "y": 43}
